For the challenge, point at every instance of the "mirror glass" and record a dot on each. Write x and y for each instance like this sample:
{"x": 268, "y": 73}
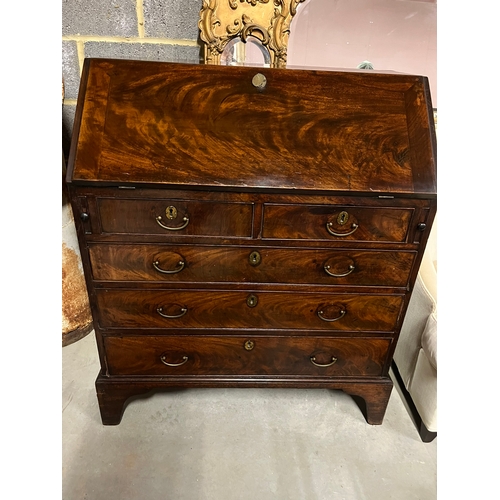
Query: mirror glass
{"x": 239, "y": 53}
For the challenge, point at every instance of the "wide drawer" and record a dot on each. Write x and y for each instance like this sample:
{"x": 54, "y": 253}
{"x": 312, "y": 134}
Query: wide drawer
{"x": 117, "y": 262}
{"x": 197, "y": 355}
{"x": 178, "y": 309}
{"x": 176, "y": 217}
{"x": 336, "y": 223}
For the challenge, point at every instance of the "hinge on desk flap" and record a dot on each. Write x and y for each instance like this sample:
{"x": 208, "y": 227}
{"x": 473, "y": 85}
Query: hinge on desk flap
{"x": 387, "y": 197}
{"x": 126, "y": 187}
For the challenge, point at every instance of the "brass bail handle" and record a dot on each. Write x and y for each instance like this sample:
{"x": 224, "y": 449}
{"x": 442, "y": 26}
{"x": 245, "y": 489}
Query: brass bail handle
{"x": 329, "y": 225}
{"x": 183, "y": 310}
{"x": 171, "y": 213}
{"x": 163, "y": 359}
{"x": 343, "y": 312}
{"x": 169, "y": 228}
{"x": 178, "y": 269}
{"x": 350, "y": 269}
{"x": 342, "y": 219}
{"x": 313, "y": 361}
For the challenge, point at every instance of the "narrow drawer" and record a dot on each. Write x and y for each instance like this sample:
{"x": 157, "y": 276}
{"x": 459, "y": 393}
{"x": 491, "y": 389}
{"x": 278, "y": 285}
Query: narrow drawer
{"x": 336, "y": 223}
{"x": 196, "y": 355}
{"x": 207, "y": 309}
{"x": 183, "y": 263}
{"x": 176, "y": 217}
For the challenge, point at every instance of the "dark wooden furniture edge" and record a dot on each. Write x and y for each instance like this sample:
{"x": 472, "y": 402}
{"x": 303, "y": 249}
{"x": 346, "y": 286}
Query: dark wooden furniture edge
{"x": 372, "y": 396}
{"x": 77, "y": 122}
{"x": 423, "y": 186}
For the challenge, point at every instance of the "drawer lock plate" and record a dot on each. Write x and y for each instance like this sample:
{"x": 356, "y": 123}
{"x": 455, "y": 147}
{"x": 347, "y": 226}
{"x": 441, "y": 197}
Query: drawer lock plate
{"x": 171, "y": 212}
{"x": 252, "y": 300}
{"x": 342, "y": 218}
{"x": 249, "y": 345}
{"x": 254, "y": 258}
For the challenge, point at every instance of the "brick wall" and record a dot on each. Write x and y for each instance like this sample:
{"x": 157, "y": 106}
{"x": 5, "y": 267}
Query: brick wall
{"x": 159, "y": 30}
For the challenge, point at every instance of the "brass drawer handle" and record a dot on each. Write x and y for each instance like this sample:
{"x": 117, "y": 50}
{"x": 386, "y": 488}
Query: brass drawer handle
{"x": 178, "y": 269}
{"x": 342, "y": 314}
{"x": 327, "y": 270}
{"x": 184, "y": 360}
{"x": 185, "y": 219}
{"x": 159, "y": 310}
{"x": 313, "y": 361}
{"x": 333, "y": 233}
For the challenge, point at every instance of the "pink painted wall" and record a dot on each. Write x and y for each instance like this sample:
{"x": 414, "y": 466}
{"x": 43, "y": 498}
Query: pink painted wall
{"x": 397, "y": 35}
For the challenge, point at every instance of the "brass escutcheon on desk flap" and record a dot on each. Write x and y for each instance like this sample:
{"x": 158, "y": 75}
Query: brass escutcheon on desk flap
{"x": 259, "y": 81}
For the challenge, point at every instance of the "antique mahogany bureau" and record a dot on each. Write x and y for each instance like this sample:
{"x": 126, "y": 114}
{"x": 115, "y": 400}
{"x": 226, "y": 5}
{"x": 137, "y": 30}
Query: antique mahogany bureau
{"x": 249, "y": 227}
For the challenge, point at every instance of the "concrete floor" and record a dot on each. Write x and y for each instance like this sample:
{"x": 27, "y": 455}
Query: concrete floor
{"x": 236, "y": 444}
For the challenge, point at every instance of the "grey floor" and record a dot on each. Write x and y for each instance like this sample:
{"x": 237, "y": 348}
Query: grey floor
{"x": 236, "y": 444}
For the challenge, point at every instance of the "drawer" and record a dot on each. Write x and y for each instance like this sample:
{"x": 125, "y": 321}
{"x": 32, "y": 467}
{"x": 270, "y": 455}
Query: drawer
{"x": 178, "y": 309}
{"x": 197, "y": 355}
{"x": 336, "y": 223}
{"x": 176, "y": 217}
{"x": 183, "y": 263}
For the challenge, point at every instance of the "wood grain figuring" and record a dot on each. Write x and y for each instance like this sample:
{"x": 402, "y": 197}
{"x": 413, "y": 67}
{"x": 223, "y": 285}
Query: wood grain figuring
{"x": 309, "y": 222}
{"x": 217, "y": 309}
{"x": 227, "y": 356}
{"x": 118, "y": 262}
{"x": 422, "y": 137}
{"x": 170, "y": 124}
{"x": 211, "y": 213}
{"x": 92, "y": 122}
{"x": 205, "y": 218}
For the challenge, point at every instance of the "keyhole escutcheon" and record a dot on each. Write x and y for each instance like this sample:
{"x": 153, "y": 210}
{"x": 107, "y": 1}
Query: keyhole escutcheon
{"x": 252, "y": 300}
{"x": 249, "y": 345}
{"x": 171, "y": 212}
{"x": 254, "y": 258}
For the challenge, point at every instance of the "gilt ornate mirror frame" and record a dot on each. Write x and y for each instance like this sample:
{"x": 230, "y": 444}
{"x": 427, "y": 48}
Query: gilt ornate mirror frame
{"x": 267, "y": 20}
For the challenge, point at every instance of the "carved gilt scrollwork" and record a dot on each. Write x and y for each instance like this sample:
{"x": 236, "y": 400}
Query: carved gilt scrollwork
{"x": 267, "y": 20}
{"x": 234, "y": 3}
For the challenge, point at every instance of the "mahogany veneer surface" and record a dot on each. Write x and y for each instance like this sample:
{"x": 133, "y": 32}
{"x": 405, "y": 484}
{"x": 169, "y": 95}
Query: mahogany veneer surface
{"x": 233, "y": 236}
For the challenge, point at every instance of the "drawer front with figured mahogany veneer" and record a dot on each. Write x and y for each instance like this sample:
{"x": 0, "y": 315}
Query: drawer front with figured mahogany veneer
{"x": 180, "y": 309}
{"x": 176, "y": 217}
{"x": 200, "y": 355}
{"x": 183, "y": 263}
{"x": 336, "y": 223}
